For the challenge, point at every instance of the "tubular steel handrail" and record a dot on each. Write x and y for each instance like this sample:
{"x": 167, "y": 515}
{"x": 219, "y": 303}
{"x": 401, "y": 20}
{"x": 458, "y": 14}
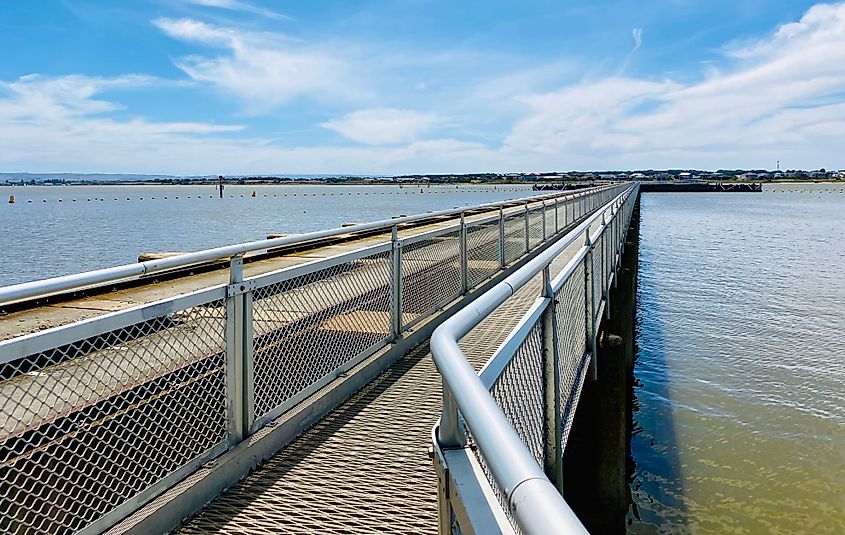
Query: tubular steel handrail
{"x": 67, "y": 283}
{"x": 533, "y": 500}
{"x": 129, "y": 403}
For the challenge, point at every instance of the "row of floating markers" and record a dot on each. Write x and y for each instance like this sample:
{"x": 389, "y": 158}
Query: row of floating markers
{"x": 826, "y": 190}
{"x": 253, "y": 195}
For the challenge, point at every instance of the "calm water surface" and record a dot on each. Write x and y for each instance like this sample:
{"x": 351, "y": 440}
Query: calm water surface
{"x": 43, "y": 239}
{"x": 739, "y": 425}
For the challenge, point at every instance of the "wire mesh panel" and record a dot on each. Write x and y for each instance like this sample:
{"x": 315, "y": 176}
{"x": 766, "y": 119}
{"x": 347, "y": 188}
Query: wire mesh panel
{"x": 551, "y": 229}
{"x": 308, "y": 326}
{"x": 596, "y": 274}
{"x": 535, "y": 227}
{"x": 431, "y": 274}
{"x": 520, "y": 394}
{"x": 115, "y": 407}
{"x": 610, "y": 251}
{"x": 562, "y": 211}
{"x": 571, "y": 325}
{"x": 482, "y": 251}
{"x": 514, "y": 236}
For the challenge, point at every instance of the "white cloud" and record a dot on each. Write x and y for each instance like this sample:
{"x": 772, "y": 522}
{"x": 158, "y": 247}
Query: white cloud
{"x": 383, "y": 126}
{"x": 782, "y": 99}
{"x": 262, "y": 70}
{"x": 235, "y": 5}
{"x": 777, "y": 98}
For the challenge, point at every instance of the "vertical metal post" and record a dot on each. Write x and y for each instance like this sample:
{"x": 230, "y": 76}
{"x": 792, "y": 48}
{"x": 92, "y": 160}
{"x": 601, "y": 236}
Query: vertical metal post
{"x": 451, "y": 433}
{"x": 235, "y": 322}
{"x": 501, "y": 237}
{"x": 395, "y": 284}
{"x": 249, "y": 375}
{"x": 527, "y": 234}
{"x": 591, "y": 306}
{"x": 464, "y": 255}
{"x": 553, "y": 459}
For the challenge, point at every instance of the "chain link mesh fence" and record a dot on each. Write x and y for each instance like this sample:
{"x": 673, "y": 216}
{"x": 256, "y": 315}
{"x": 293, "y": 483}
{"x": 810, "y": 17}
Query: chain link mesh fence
{"x": 431, "y": 274}
{"x": 571, "y": 341}
{"x": 91, "y": 423}
{"x": 482, "y": 251}
{"x": 551, "y": 227}
{"x": 308, "y": 326}
{"x": 514, "y": 236}
{"x": 535, "y": 227}
{"x": 597, "y": 269}
{"x": 520, "y": 393}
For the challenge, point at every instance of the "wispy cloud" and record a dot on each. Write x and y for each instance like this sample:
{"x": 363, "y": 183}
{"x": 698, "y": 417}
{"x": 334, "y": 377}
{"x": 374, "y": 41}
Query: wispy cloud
{"x": 637, "y": 34}
{"x": 778, "y": 97}
{"x": 262, "y": 70}
{"x": 782, "y": 100}
{"x": 235, "y": 5}
{"x": 383, "y": 126}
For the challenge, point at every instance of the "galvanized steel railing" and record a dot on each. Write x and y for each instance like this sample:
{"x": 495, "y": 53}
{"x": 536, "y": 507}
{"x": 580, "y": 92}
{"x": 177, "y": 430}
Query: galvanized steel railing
{"x": 500, "y": 440}
{"x": 92, "y": 279}
{"x": 100, "y": 416}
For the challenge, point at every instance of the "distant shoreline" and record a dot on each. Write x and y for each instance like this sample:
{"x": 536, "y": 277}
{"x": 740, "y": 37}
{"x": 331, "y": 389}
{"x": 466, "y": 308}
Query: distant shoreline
{"x": 317, "y": 182}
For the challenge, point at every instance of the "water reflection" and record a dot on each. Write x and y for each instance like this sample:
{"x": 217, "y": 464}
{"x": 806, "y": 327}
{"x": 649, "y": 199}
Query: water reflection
{"x": 741, "y": 310}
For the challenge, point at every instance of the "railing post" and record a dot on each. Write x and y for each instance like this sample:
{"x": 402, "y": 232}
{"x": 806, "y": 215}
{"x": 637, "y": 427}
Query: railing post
{"x": 501, "y": 237}
{"x": 590, "y": 306}
{"x": 553, "y": 459}
{"x": 464, "y": 255}
{"x": 395, "y": 284}
{"x": 235, "y": 359}
{"x": 451, "y": 432}
{"x": 527, "y": 234}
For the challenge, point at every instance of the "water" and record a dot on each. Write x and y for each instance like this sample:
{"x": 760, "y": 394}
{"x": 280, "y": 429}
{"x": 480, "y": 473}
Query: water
{"x": 44, "y": 239}
{"x": 739, "y": 425}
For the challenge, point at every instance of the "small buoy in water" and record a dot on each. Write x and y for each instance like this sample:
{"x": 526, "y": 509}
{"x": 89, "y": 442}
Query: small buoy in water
{"x": 253, "y": 193}
{"x": 45, "y": 200}
{"x": 60, "y": 200}
{"x": 11, "y": 199}
{"x": 29, "y": 200}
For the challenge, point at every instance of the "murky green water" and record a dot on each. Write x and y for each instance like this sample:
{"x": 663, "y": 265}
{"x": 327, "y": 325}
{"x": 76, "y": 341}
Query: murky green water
{"x": 740, "y": 418}
{"x": 57, "y": 230}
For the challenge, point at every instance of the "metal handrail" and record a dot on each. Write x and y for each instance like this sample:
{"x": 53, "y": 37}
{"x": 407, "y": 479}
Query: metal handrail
{"x": 541, "y": 508}
{"x": 66, "y": 283}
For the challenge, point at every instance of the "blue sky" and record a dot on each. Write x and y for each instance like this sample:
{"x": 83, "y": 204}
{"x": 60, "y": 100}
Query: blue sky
{"x": 417, "y": 86}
